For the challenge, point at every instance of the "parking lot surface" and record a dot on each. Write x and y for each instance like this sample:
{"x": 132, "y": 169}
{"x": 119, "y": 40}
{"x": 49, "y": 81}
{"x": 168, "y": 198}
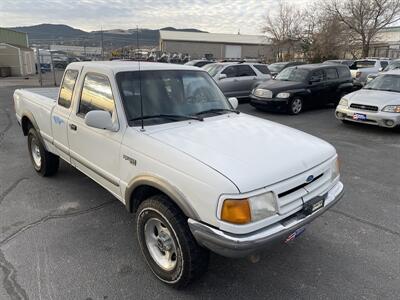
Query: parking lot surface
{"x": 65, "y": 237}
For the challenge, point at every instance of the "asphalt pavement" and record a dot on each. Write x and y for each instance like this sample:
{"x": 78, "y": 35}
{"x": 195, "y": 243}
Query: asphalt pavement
{"x": 65, "y": 237}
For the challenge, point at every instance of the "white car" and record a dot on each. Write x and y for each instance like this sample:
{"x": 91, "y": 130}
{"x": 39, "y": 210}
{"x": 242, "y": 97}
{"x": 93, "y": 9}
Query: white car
{"x": 361, "y": 69}
{"x": 378, "y": 103}
{"x": 199, "y": 175}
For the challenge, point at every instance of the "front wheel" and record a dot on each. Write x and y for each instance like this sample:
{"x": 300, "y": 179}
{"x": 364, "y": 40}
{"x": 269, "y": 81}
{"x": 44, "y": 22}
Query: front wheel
{"x": 167, "y": 244}
{"x": 295, "y": 106}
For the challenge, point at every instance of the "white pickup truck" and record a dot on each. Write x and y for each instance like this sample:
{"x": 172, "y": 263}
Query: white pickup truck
{"x": 199, "y": 174}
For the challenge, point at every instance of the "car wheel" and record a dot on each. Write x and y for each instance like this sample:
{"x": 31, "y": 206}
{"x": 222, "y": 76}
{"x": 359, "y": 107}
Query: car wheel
{"x": 44, "y": 162}
{"x": 295, "y": 106}
{"x": 167, "y": 244}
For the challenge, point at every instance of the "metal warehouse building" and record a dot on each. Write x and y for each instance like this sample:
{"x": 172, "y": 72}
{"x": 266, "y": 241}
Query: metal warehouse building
{"x": 15, "y": 53}
{"x": 218, "y": 46}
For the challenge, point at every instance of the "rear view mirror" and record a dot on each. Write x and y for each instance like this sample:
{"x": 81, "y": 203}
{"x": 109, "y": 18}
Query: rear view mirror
{"x": 99, "y": 119}
{"x": 234, "y": 102}
{"x": 222, "y": 76}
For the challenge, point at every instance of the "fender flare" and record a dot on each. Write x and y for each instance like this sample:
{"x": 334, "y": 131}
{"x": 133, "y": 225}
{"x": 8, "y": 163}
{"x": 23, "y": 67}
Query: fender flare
{"x": 164, "y": 186}
{"x": 31, "y": 118}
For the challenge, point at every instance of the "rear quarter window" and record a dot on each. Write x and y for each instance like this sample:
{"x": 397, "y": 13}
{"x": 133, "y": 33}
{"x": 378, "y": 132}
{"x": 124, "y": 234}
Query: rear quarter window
{"x": 67, "y": 88}
{"x": 263, "y": 69}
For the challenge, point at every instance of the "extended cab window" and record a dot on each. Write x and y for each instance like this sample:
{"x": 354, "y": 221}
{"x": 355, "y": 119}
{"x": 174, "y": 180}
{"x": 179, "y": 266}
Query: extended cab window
{"x": 331, "y": 73}
{"x": 96, "y": 94}
{"x": 67, "y": 88}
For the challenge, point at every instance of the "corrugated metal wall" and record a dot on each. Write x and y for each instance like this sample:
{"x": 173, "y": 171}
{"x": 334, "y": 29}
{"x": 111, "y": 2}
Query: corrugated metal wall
{"x": 13, "y": 37}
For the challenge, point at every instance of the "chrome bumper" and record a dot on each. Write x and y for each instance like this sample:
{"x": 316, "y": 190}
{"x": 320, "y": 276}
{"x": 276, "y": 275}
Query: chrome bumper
{"x": 231, "y": 245}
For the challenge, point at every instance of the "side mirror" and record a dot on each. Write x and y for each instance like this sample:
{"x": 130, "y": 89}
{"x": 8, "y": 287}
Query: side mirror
{"x": 222, "y": 76}
{"x": 380, "y": 69}
{"x": 234, "y": 102}
{"x": 99, "y": 119}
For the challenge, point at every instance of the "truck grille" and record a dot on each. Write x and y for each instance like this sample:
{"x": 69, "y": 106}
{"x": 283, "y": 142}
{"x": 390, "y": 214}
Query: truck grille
{"x": 364, "y": 107}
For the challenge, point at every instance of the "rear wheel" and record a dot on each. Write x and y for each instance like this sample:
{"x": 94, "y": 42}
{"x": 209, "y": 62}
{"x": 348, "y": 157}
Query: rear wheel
{"x": 295, "y": 106}
{"x": 167, "y": 244}
{"x": 44, "y": 162}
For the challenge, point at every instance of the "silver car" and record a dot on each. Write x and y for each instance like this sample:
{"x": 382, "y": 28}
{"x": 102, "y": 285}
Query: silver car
{"x": 378, "y": 103}
{"x": 237, "y": 79}
{"x": 360, "y": 69}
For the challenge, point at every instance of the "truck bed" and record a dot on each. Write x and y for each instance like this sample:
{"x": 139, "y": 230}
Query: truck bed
{"x": 51, "y": 93}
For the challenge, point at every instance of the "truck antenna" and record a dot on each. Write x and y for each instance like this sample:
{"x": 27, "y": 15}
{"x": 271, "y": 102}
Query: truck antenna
{"x": 140, "y": 75}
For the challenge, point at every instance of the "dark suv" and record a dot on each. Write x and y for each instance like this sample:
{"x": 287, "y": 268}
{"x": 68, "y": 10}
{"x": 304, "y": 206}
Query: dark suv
{"x": 303, "y": 86}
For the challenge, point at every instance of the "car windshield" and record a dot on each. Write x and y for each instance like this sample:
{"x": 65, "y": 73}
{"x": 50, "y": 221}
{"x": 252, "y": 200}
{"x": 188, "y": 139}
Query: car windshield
{"x": 169, "y": 95}
{"x": 393, "y": 66}
{"x": 277, "y": 67}
{"x": 362, "y": 64}
{"x": 388, "y": 82}
{"x": 293, "y": 74}
{"x": 213, "y": 69}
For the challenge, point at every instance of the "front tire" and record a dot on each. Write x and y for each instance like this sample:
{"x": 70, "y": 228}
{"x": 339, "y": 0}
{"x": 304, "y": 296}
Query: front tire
{"x": 167, "y": 244}
{"x": 295, "y": 106}
{"x": 44, "y": 162}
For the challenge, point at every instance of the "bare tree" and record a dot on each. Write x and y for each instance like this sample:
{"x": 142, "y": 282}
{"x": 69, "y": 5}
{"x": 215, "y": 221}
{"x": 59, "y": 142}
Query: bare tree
{"x": 365, "y": 18}
{"x": 284, "y": 28}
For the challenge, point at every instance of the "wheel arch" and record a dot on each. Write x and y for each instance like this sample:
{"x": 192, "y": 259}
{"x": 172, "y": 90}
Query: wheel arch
{"x": 28, "y": 121}
{"x": 142, "y": 187}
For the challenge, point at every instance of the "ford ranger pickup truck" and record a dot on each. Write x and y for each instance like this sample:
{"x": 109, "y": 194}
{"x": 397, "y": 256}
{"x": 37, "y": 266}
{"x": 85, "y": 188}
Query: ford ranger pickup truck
{"x": 198, "y": 174}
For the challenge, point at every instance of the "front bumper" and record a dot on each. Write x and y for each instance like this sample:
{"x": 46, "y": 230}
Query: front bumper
{"x": 379, "y": 118}
{"x": 232, "y": 245}
{"x": 269, "y": 103}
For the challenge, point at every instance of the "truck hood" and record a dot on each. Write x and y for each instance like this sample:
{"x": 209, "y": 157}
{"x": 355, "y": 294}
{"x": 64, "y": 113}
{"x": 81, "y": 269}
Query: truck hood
{"x": 249, "y": 151}
{"x": 373, "y": 97}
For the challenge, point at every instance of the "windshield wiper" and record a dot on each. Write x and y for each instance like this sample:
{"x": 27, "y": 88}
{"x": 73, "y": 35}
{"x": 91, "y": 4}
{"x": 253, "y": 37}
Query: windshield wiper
{"x": 218, "y": 110}
{"x": 167, "y": 116}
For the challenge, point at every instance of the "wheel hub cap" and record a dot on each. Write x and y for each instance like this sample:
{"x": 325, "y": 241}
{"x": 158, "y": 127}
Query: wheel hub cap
{"x": 37, "y": 158}
{"x": 160, "y": 243}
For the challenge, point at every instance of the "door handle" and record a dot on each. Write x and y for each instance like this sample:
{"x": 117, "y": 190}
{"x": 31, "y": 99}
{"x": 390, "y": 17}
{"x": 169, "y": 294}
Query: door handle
{"x": 73, "y": 127}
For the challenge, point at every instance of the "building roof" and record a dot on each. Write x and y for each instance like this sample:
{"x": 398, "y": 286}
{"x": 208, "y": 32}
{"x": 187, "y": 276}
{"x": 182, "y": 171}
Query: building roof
{"x": 213, "y": 37}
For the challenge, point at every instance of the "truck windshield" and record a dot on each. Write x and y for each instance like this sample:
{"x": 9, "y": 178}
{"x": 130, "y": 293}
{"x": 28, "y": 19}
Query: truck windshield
{"x": 170, "y": 96}
{"x": 293, "y": 74}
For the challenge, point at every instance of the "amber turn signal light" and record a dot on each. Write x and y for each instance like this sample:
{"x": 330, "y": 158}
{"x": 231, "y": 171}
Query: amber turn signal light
{"x": 236, "y": 211}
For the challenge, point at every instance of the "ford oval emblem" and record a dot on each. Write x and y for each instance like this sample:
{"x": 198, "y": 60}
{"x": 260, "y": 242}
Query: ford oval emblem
{"x": 310, "y": 178}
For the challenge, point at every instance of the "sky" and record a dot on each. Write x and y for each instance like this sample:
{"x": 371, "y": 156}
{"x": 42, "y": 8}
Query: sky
{"x": 220, "y": 16}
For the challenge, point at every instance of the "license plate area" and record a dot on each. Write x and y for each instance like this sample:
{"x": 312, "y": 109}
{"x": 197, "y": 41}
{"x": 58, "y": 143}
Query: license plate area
{"x": 314, "y": 204}
{"x": 360, "y": 117}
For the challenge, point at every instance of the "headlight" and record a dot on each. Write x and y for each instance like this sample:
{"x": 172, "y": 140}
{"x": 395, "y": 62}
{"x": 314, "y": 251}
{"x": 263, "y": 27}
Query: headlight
{"x": 335, "y": 169}
{"x": 392, "y": 108}
{"x": 283, "y": 95}
{"x": 344, "y": 102}
{"x": 262, "y": 93}
{"x": 243, "y": 211}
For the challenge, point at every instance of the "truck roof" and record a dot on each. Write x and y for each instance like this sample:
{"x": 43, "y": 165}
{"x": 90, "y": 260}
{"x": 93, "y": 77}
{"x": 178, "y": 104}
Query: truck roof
{"x": 121, "y": 65}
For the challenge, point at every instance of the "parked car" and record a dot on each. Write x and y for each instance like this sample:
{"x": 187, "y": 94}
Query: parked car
{"x": 360, "y": 69}
{"x": 199, "y": 62}
{"x": 378, "y": 103}
{"x": 161, "y": 142}
{"x": 303, "y": 86}
{"x": 393, "y": 65}
{"x": 237, "y": 79}
{"x": 275, "y": 68}
{"x": 347, "y": 62}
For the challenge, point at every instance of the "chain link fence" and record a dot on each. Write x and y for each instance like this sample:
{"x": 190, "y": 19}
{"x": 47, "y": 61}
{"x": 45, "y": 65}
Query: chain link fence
{"x": 49, "y": 71}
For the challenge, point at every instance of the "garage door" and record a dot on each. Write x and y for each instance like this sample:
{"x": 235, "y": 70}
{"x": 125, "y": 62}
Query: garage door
{"x": 233, "y": 51}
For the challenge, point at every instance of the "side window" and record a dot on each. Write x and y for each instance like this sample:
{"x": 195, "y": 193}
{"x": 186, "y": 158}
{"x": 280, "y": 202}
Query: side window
{"x": 230, "y": 71}
{"x": 263, "y": 69}
{"x": 96, "y": 94}
{"x": 384, "y": 64}
{"x": 245, "y": 70}
{"x": 67, "y": 88}
{"x": 317, "y": 76}
{"x": 344, "y": 72}
{"x": 331, "y": 74}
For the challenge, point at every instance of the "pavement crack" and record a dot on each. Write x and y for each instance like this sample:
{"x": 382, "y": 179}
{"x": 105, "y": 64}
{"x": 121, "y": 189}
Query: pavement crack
{"x": 383, "y": 228}
{"x": 50, "y": 217}
{"x": 12, "y": 287}
{"x": 10, "y": 188}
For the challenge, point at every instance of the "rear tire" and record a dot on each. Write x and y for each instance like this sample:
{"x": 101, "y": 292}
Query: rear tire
{"x": 44, "y": 162}
{"x": 167, "y": 244}
{"x": 295, "y": 106}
